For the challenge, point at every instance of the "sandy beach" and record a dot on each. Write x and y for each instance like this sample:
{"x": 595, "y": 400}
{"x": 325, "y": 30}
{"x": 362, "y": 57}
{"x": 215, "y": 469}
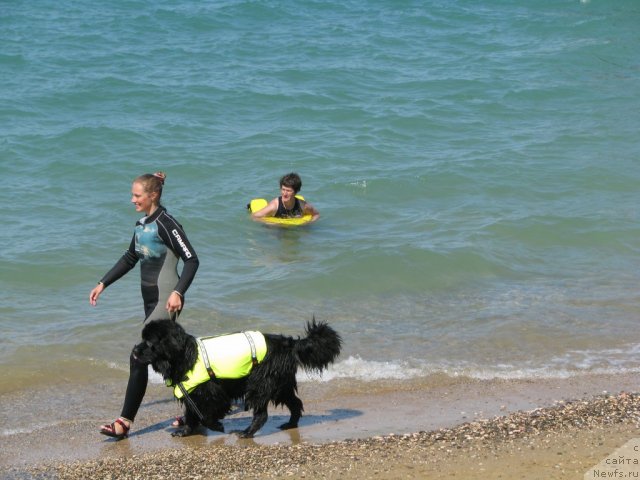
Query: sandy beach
{"x": 458, "y": 429}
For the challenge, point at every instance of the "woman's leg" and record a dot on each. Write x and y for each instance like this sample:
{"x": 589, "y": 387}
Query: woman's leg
{"x": 136, "y": 388}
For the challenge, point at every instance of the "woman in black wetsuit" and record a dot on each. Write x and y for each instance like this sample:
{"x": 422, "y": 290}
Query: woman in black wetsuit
{"x": 158, "y": 243}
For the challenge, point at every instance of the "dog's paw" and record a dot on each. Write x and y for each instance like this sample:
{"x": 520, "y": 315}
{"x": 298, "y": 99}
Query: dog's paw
{"x": 244, "y": 434}
{"x": 288, "y": 426}
{"x": 216, "y": 427}
{"x": 183, "y": 432}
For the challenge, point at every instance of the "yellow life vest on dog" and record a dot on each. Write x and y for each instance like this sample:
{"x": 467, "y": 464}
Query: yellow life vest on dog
{"x": 224, "y": 356}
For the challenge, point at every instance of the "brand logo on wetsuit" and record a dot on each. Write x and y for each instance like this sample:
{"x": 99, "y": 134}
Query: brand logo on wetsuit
{"x": 186, "y": 251}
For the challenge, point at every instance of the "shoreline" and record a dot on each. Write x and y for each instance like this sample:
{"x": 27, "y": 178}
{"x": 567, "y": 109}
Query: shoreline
{"x": 400, "y": 428}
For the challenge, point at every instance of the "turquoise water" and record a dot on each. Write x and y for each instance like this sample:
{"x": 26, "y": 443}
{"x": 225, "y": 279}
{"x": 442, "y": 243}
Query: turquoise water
{"x": 476, "y": 168}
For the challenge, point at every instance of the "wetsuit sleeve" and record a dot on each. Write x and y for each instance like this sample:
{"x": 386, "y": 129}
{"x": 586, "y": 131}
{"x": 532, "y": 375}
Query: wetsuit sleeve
{"x": 122, "y": 266}
{"x": 175, "y": 238}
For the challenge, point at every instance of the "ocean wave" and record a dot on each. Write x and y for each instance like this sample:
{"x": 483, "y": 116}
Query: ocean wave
{"x": 567, "y": 366}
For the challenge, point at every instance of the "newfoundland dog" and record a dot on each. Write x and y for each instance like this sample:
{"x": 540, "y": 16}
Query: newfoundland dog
{"x": 208, "y": 373}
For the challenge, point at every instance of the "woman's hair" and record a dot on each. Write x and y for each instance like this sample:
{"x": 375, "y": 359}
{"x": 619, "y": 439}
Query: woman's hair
{"x": 291, "y": 180}
{"x": 152, "y": 182}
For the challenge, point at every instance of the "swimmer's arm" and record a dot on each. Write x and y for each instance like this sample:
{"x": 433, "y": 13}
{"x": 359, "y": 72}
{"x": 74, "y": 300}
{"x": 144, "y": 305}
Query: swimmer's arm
{"x": 268, "y": 211}
{"x": 311, "y": 210}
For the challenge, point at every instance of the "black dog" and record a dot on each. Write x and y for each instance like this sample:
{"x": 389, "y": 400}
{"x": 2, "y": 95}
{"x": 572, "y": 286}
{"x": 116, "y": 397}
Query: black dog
{"x": 173, "y": 353}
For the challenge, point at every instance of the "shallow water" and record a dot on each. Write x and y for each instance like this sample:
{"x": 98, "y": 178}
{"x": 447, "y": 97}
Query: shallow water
{"x": 476, "y": 169}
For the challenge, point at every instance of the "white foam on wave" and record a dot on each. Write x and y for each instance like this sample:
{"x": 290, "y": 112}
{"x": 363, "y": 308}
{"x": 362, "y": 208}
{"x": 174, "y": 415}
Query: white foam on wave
{"x": 370, "y": 370}
{"x": 108, "y": 364}
{"x": 570, "y": 364}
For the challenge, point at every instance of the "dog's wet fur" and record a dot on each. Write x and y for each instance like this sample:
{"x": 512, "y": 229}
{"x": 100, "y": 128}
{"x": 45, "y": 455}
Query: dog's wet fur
{"x": 172, "y": 352}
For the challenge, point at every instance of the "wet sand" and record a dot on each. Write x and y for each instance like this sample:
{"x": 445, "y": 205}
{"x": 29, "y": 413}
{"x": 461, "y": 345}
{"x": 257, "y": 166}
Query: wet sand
{"x": 455, "y": 429}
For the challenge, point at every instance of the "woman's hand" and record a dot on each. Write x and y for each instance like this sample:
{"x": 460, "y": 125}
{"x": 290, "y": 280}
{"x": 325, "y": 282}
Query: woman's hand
{"x": 174, "y": 302}
{"x": 95, "y": 293}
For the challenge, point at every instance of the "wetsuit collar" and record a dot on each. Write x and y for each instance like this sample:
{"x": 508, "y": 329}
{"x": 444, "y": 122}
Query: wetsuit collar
{"x": 153, "y": 216}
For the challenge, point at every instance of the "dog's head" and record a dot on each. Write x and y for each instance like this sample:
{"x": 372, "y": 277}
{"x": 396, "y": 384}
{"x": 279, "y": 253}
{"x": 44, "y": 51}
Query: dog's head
{"x": 166, "y": 346}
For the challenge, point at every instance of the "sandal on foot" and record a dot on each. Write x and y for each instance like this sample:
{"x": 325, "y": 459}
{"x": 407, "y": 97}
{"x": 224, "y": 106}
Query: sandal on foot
{"x": 178, "y": 422}
{"x": 110, "y": 429}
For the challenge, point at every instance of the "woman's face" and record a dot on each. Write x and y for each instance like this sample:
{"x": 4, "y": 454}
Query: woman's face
{"x": 143, "y": 201}
{"x": 287, "y": 193}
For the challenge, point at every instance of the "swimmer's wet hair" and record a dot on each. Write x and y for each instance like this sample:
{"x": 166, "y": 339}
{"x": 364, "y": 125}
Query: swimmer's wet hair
{"x": 291, "y": 180}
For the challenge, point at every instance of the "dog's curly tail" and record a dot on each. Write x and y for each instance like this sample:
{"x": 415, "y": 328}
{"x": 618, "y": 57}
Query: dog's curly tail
{"x": 319, "y": 348}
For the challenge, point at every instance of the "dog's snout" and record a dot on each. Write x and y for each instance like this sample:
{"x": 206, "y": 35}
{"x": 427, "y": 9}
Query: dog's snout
{"x": 138, "y": 351}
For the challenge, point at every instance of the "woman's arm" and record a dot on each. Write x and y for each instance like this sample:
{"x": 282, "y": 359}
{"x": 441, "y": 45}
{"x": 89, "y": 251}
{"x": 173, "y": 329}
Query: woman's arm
{"x": 311, "y": 210}
{"x": 268, "y": 211}
{"x": 122, "y": 266}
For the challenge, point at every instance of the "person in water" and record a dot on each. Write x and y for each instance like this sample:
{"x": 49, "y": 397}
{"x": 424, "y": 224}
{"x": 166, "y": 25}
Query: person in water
{"x": 287, "y": 205}
{"x": 158, "y": 242}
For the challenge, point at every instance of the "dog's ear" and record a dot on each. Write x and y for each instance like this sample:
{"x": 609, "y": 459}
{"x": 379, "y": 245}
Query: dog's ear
{"x": 174, "y": 343}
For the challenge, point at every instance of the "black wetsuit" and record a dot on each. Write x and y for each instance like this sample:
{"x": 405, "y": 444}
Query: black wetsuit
{"x": 158, "y": 242}
{"x": 296, "y": 211}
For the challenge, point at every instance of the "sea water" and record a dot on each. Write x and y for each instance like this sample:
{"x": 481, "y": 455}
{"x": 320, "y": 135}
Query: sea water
{"x": 476, "y": 168}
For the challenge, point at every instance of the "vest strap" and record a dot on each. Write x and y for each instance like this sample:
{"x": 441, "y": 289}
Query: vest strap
{"x": 252, "y": 345}
{"x": 205, "y": 358}
{"x": 191, "y": 402}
